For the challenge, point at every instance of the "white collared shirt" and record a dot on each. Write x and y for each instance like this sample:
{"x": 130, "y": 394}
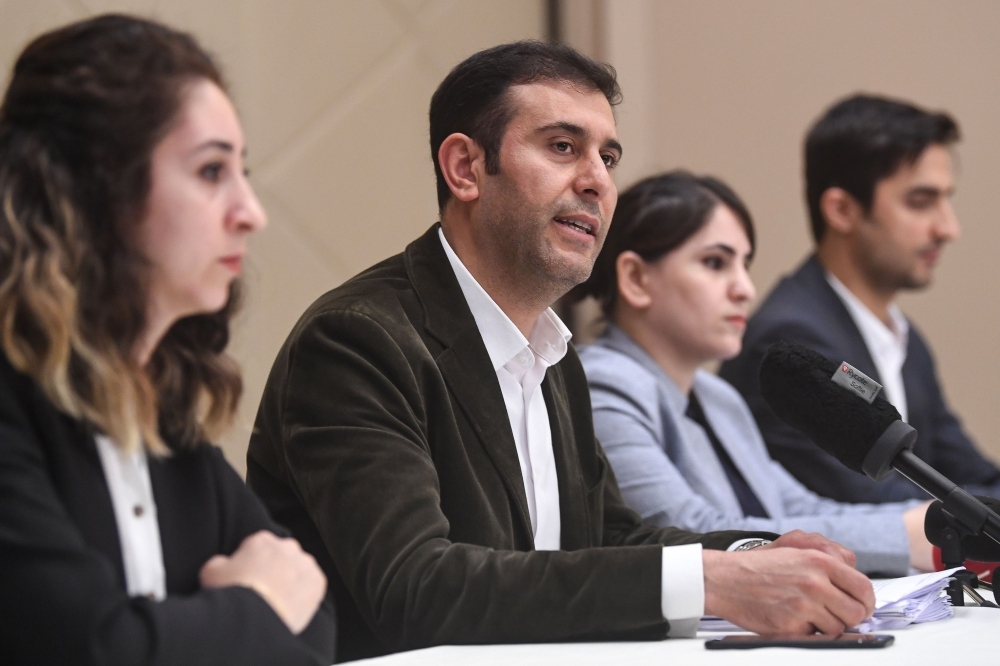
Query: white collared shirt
{"x": 886, "y": 345}
{"x": 127, "y": 476}
{"x": 520, "y": 364}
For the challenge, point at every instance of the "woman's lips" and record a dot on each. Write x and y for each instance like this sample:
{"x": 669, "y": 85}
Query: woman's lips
{"x": 737, "y": 320}
{"x": 233, "y": 263}
{"x": 931, "y": 256}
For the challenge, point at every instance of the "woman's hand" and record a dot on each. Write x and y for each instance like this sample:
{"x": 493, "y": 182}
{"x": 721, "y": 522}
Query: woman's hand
{"x": 278, "y": 569}
{"x": 921, "y": 550}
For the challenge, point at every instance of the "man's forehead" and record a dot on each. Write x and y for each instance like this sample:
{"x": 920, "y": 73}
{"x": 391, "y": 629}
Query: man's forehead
{"x": 932, "y": 168}
{"x": 544, "y": 102}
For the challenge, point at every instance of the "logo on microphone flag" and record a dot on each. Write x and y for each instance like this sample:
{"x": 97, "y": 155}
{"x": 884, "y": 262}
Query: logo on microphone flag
{"x": 856, "y": 382}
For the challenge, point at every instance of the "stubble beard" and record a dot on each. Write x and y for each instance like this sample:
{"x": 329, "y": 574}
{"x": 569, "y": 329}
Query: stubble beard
{"x": 516, "y": 234}
{"x": 885, "y": 269}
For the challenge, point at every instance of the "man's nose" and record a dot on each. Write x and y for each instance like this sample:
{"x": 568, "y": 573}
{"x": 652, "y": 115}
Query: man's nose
{"x": 947, "y": 227}
{"x": 594, "y": 179}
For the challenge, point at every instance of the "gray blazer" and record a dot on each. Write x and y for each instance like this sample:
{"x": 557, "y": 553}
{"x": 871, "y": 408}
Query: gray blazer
{"x": 668, "y": 471}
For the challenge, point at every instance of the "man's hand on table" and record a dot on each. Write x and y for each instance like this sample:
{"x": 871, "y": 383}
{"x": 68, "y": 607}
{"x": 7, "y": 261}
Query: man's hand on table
{"x": 799, "y": 584}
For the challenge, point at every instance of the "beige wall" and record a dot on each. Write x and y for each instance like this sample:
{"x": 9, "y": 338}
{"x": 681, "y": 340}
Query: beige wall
{"x": 730, "y": 86}
{"x": 334, "y": 96}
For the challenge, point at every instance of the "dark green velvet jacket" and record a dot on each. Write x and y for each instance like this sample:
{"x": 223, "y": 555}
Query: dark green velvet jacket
{"x": 383, "y": 442}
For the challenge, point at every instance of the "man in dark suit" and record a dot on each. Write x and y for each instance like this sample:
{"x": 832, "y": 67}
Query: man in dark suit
{"x": 426, "y": 429}
{"x": 878, "y": 185}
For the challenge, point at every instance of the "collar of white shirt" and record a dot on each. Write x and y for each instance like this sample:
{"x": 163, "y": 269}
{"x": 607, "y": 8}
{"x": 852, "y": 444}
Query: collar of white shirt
{"x": 873, "y": 329}
{"x": 886, "y": 345}
{"x": 549, "y": 338}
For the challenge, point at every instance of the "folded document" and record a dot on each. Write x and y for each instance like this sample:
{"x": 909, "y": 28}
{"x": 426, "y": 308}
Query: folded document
{"x": 909, "y": 600}
{"x": 898, "y": 602}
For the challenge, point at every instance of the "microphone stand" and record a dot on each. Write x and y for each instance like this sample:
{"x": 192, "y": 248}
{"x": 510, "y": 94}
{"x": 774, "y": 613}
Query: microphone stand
{"x": 953, "y": 555}
{"x": 964, "y": 509}
{"x": 965, "y": 514}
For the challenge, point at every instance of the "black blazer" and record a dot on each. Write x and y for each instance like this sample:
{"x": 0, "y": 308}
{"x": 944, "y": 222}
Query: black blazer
{"x": 804, "y": 308}
{"x": 62, "y": 581}
{"x": 383, "y": 441}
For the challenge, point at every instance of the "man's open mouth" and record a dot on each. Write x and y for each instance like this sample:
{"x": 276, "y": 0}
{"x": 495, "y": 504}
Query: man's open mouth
{"x": 579, "y": 225}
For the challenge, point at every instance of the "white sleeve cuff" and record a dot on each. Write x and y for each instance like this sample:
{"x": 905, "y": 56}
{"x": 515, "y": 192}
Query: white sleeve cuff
{"x": 682, "y": 596}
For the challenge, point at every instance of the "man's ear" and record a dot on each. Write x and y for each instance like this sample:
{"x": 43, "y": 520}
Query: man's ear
{"x": 631, "y": 271}
{"x": 461, "y": 160}
{"x": 841, "y": 211}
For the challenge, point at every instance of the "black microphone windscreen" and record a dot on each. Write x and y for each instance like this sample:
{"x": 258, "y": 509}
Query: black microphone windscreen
{"x": 797, "y": 384}
{"x": 977, "y": 547}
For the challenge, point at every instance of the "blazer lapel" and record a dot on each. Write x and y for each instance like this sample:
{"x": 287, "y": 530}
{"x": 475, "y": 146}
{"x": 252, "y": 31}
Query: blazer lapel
{"x": 814, "y": 278}
{"x": 465, "y": 364}
{"x": 80, "y": 479}
{"x": 572, "y": 499}
{"x": 729, "y": 430}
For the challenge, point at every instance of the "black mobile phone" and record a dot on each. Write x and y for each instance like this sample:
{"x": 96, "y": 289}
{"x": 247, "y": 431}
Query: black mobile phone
{"x": 816, "y": 641}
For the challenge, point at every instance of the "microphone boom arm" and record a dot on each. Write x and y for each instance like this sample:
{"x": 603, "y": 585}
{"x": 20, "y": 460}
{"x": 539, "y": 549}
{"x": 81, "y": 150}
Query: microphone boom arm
{"x": 963, "y": 507}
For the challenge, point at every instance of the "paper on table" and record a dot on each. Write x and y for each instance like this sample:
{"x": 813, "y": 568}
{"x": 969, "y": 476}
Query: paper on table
{"x": 909, "y": 600}
{"x": 898, "y": 602}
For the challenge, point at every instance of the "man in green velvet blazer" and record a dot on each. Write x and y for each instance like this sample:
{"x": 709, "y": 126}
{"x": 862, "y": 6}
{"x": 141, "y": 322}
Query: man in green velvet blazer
{"x": 387, "y": 441}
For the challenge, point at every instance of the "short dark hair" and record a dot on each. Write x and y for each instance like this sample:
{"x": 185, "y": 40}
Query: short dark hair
{"x": 653, "y": 218}
{"x": 862, "y": 139}
{"x": 472, "y": 99}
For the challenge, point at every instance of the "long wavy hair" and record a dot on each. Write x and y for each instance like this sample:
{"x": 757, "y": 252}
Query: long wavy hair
{"x": 86, "y": 105}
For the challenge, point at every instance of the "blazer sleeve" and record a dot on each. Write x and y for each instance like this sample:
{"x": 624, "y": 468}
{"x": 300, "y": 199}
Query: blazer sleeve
{"x": 806, "y": 461}
{"x": 953, "y": 452}
{"x": 61, "y": 602}
{"x": 637, "y": 443}
{"x": 246, "y": 515}
{"x": 357, "y": 445}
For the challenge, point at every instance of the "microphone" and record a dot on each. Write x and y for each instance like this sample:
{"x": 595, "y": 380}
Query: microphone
{"x": 849, "y": 420}
{"x": 974, "y": 547}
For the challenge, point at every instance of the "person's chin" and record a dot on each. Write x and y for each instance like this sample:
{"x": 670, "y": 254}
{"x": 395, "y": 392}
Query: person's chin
{"x": 918, "y": 280}
{"x": 730, "y": 350}
{"x": 213, "y": 301}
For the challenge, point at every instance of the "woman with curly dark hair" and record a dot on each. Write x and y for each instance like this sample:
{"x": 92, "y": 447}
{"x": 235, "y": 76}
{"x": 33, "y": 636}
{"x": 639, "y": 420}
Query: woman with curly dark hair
{"x": 124, "y": 217}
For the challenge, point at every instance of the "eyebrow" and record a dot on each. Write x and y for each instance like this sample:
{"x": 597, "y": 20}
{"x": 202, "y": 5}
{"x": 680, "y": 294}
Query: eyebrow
{"x": 215, "y": 143}
{"x": 930, "y": 190}
{"x": 219, "y": 144}
{"x": 578, "y": 131}
{"x": 728, "y": 249}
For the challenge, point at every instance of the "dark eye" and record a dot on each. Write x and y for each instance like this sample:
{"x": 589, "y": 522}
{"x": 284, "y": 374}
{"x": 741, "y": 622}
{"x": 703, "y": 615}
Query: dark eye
{"x": 922, "y": 201}
{"x": 610, "y": 160}
{"x": 211, "y": 172}
{"x": 715, "y": 263}
{"x": 563, "y": 146}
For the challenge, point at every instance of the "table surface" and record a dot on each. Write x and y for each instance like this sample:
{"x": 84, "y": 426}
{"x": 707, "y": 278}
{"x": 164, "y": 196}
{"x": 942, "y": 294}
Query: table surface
{"x": 971, "y": 636}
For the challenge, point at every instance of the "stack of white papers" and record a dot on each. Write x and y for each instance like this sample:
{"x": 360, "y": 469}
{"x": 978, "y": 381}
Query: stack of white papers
{"x": 909, "y": 600}
{"x": 898, "y": 602}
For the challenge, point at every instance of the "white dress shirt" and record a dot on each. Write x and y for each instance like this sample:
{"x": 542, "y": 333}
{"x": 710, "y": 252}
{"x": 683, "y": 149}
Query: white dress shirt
{"x": 520, "y": 364}
{"x": 127, "y": 476}
{"x": 886, "y": 345}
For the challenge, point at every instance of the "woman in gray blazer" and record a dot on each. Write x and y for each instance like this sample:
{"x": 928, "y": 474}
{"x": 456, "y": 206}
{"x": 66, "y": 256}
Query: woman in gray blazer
{"x": 673, "y": 283}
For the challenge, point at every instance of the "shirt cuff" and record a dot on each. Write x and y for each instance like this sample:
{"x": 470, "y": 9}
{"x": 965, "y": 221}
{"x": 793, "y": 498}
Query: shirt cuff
{"x": 682, "y": 595}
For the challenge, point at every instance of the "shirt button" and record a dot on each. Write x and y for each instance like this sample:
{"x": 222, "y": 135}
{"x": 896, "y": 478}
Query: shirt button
{"x": 138, "y": 510}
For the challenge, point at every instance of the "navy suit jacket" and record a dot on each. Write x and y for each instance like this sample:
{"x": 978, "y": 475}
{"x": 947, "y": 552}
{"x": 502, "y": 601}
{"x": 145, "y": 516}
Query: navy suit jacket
{"x": 804, "y": 308}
